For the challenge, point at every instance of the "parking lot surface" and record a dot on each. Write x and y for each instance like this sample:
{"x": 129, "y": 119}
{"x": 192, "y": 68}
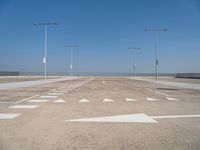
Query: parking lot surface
{"x": 93, "y": 113}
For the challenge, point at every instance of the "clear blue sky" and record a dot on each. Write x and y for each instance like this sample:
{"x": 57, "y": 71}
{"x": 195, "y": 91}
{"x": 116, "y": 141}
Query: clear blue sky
{"x": 104, "y": 29}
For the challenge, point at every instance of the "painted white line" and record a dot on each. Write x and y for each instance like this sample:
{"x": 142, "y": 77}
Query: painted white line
{"x": 176, "y": 116}
{"x": 84, "y": 101}
{"x": 9, "y": 116}
{"x": 49, "y": 91}
{"x": 142, "y": 118}
{"x": 26, "y": 99}
{"x": 161, "y": 93}
{"x": 24, "y": 106}
{"x": 63, "y": 91}
{"x": 59, "y": 101}
{"x": 38, "y": 101}
{"x": 108, "y": 100}
{"x": 152, "y": 99}
{"x": 172, "y": 99}
{"x": 130, "y": 100}
{"x": 48, "y": 96}
{"x": 55, "y": 93}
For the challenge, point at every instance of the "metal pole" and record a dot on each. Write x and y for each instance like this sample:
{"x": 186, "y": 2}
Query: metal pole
{"x": 71, "y": 66}
{"x": 133, "y": 64}
{"x": 156, "y": 57}
{"x": 45, "y": 54}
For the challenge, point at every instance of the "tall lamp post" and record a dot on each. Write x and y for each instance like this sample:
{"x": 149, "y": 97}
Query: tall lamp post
{"x": 133, "y": 49}
{"x": 71, "y": 56}
{"x": 156, "y": 49}
{"x": 45, "y": 45}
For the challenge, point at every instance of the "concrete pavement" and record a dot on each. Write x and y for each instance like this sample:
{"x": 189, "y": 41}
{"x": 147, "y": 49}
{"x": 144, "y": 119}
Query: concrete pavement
{"x": 128, "y": 114}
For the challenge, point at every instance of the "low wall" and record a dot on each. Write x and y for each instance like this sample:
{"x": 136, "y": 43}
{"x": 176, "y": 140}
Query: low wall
{"x": 188, "y": 75}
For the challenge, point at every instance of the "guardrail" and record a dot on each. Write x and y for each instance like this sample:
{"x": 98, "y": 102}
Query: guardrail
{"x": 188, "y": 75}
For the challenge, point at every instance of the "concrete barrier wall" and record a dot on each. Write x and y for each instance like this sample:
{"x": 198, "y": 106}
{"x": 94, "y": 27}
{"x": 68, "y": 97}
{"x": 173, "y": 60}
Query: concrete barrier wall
{"x": 9, "y": 73}
{"x": 188, "y": 75}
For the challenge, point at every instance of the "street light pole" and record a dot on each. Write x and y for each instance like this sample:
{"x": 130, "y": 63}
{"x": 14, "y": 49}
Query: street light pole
{"x": 133, "y": 59}
{"x": 45, "y": 44}
{"x": 71, "y": 57}
{"x": 156, "y": 49}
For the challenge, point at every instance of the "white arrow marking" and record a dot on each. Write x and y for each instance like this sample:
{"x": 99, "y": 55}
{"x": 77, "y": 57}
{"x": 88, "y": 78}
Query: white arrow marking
{"x": 59, "y": 101}
{"x": 176, "y": 116}
{"x": 140, "y": 118}
{"x": 121, "y": 118}
{"x": 9, "y": 116}
{"x": 172, "y": 99}
{"x": 130, "y": 100}
{"x": 24, "y": 106}
{"x": 84, "y": 101}
{"x": 108, "y": 100}
{"x": 152, "y": 99}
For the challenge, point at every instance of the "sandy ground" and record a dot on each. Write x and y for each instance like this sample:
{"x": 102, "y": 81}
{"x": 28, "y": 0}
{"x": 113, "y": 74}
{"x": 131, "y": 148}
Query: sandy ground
{"x": 44, "y": 128}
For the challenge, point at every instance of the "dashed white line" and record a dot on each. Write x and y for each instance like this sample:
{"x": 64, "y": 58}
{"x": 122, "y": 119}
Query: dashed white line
{"x": 108, "y": 100}
{"x": 48, "y": 96}
{"x": 84, "y": 101}
{"x": 172, "y": 99}
{"x": 130, "y": 100}
{"x": 152, "y": 99}
{"x": 24, "y": 106}
{"x": 8, "y": 116}
{"x": 38, "y": 101}
{"x": 59, "y": 101}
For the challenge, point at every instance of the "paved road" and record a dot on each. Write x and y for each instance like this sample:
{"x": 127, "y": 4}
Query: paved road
{"x": 89, "y": 114}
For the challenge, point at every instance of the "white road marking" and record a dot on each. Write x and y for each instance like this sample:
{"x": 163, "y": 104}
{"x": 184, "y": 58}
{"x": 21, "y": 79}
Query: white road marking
{"x": 48, "y": 96}
{"x": 9, "y": 116}
{"x": 49, "y": 91}
{"x": 172, "y": 99}
{"x": 108, "y": 100}
{"x": 152, "y": 99}
{"x": 130, "y": 100}
{"x": 26, "y": 99}
{"x": 61, "y": 91}
{"x": 38, "y": 100}
{"x": 84, "y": 101}
{"x": 24, "y": 106}
{"x": 176, "y": 116}
{"x": 142, "y": 118}
{"x": 59, "y": 101}
{"x": 55, "y": 93}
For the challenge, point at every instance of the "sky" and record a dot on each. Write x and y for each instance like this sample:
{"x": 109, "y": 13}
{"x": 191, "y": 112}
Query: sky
{"x": 104, "y": 30}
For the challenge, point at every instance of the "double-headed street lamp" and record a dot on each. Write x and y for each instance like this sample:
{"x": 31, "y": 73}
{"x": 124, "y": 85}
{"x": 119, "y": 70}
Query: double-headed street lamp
{"x": 156, "y": 49}
{"x": 71, "y": 58}
{"x": 45, "y": 45}
{"x": 133, "y": 49}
